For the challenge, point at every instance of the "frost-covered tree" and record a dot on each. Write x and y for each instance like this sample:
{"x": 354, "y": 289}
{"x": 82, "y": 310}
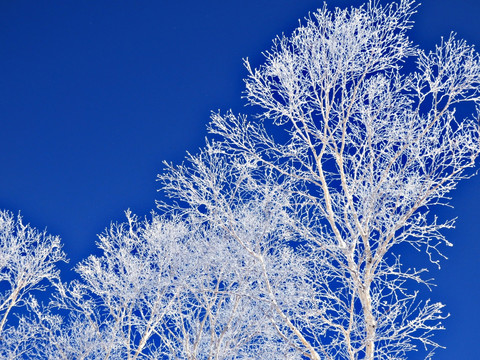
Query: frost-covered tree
{"x": 28, "y": 261}
{"x": 162, "y": 289}
{"x": 372, "y": 139}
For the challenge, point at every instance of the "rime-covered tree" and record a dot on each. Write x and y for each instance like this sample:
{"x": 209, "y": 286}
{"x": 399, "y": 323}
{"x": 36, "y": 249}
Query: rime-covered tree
{"x": 162, "y": 289}
{"x": 372, "y": 139}
{"x": 28, "y": 261}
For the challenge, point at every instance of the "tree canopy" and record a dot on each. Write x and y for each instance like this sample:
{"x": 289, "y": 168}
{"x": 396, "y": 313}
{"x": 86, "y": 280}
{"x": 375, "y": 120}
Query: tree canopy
{"x": 279, "y": 244}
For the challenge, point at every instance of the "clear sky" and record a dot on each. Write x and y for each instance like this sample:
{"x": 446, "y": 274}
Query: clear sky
{"x": 94, "y": 95}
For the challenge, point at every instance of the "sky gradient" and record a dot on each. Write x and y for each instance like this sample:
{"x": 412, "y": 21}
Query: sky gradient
{"x": 94, "y": 95}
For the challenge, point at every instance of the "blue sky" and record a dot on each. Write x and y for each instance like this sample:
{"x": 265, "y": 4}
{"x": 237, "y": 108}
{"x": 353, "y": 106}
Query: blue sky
{"x": 94, "y": 95}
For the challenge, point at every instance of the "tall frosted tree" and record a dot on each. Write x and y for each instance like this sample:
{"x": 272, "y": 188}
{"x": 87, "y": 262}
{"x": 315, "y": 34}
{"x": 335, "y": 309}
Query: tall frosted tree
{"x": 368, "y": 139}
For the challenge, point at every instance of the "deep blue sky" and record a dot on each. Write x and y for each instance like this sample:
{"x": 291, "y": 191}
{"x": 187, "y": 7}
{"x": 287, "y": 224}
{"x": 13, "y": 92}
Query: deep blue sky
{"x": 95, "y": 94}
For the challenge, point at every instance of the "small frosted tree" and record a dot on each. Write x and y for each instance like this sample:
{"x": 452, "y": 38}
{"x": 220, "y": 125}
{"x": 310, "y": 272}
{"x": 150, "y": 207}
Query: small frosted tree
{"x": 368, "y": 148}
{"x": 162, "y": 289}
{"x": 28, "y": 261}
